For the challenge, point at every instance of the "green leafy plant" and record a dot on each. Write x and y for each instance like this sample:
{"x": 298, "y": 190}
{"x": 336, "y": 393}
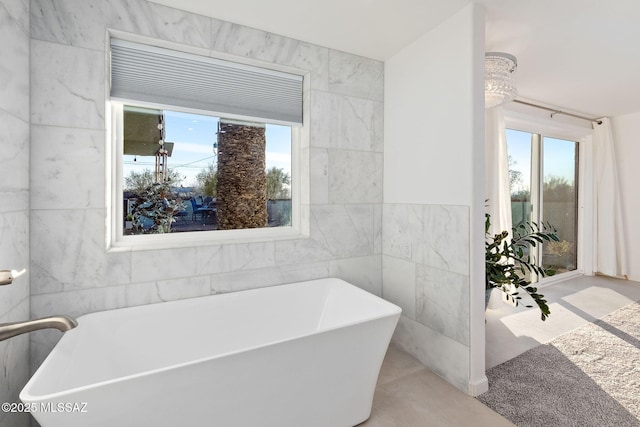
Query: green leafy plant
{"x": 155, "y": 205}
{"x": 508, "y": 263}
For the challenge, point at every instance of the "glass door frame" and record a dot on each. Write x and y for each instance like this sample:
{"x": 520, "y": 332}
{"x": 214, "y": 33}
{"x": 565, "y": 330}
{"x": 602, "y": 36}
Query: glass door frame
{"x": 582, "y": 135}
{"x": 584, "y": 239}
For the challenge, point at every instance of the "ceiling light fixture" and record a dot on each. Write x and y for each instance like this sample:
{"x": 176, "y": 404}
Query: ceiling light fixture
{"x": 499, "y": 83}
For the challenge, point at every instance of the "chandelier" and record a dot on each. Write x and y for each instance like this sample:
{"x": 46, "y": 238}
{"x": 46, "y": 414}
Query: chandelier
{"x": 499, "y": 84}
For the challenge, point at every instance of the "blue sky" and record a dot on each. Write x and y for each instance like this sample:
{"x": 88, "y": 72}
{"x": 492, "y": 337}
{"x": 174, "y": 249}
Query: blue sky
{"x": 194, "y": 137}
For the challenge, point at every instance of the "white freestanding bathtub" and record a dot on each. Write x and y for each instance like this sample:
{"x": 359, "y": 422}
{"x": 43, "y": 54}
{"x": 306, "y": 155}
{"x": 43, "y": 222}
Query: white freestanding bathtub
{"x": 301, "y": 355}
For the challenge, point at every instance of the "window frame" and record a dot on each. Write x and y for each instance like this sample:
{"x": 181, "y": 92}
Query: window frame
{"x": 546, "y": 128}
{"x": 300, "y": 218}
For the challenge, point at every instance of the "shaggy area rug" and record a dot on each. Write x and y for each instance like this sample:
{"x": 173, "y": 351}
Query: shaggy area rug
{"x": 587, "y": 377}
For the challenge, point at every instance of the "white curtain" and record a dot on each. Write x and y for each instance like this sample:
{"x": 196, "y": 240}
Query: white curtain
{"x": 610, "y": 257}
{"x": 498, "y": 193}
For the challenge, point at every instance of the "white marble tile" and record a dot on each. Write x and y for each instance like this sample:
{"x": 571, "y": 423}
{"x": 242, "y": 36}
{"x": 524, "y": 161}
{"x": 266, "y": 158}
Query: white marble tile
{"x": 377, "y": 126}
{"x": 445, "y": 238}
{"x": 167, "y": 290}
{"x": 434, "y": 235}
{"x": 70, "y": 172}
{"x": 14, "y": 51}
{"x": 14, "y": 255}
{"x": 436, "y": 238}
{"x": 314, "y": 59}
{"x": 362, "y": 217}
{"x": 14, "y": 174}
{"x": 346, "y": 122}
{"x": 67, "y": 86}
{"x": 401, "y": 231}
{"x": 13, "y": 295}
{"x": 325, "y": 118}
{"x": 444, "y": 356}
{"x": 311, "y": 249}
{"x": 378, "y": 221}
{"x": 248, "y": 256}
{"x": 68, "y": 250}
{"x": 118, "y": 268}
{"x": 78, "y": 302}
{"x": 14, "y": 356}
{"x": 347, "y": 229}
{"x": 356, "y": 76}
{"x": 85, "y": 23}
{"x": 272, "y": 48}
{"x": 394, "y": 234}
{"x": 209, "y": 260}
{"x": 355, "y": 177}
{"x": 357, "y": 124}
{"x": 14, "y": 200}
{"x": 337, "y": 231}
{"x": 399, "y": 284}
{"x": 416, "y": 230}
{"x": 244, "y": 280}
{"x": 157, "y": 21}
{"x": 319, "y": 175}
{"x": 75, "y": 23}
{"x": 442, "y": 302}
{"x": 249, "y": 42}
{"x": 14, "y": 236}
{"x": 153, "y": 265}
{"x": 191, "y": 287}
{"x": 142, "y": 294}
{"x": 40, "y": 345}
{"x": 14, "y": 187}
{"x": 73, "y": 303}
{"x": 302, "y": 272}
{"x": 364, "y": 272}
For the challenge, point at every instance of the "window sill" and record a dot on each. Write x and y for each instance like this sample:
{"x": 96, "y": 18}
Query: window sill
{"x": 203, "y": 238}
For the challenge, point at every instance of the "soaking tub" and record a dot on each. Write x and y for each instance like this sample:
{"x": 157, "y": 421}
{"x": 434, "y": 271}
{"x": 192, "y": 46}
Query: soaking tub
{"x": 300, "y": 355}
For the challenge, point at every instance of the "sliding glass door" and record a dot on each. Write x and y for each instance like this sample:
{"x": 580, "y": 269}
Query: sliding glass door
{"x": 543, "y": 175}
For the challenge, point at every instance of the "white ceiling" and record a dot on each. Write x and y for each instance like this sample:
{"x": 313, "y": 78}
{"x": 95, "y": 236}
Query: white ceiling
{"x": 582, "y": 55}
{"x": 579, "y": 55}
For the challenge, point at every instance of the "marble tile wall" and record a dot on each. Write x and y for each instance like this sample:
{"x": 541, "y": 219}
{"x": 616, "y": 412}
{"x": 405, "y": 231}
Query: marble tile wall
{"x": 425, "y": 268}
{"x": 14, "y": 194}
{"x": 71, "y": 271}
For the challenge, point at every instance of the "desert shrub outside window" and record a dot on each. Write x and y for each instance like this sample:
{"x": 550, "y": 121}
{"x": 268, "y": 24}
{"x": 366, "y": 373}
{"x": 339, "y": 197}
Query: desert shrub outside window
{"x": 180, "y": 168}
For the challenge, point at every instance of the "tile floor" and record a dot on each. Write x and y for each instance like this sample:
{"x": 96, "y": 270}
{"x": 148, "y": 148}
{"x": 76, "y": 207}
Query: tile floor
{"x": 410, "y": 395}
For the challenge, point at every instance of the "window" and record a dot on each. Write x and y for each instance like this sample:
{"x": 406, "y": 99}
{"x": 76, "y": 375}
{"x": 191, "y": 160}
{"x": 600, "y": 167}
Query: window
{"x": 202, "y": 145}
{"x": 543, "y": 175}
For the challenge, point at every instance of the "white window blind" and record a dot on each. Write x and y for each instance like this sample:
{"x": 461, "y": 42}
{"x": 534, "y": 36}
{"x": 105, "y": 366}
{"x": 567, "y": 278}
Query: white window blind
{"x": 164, "y": 76}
